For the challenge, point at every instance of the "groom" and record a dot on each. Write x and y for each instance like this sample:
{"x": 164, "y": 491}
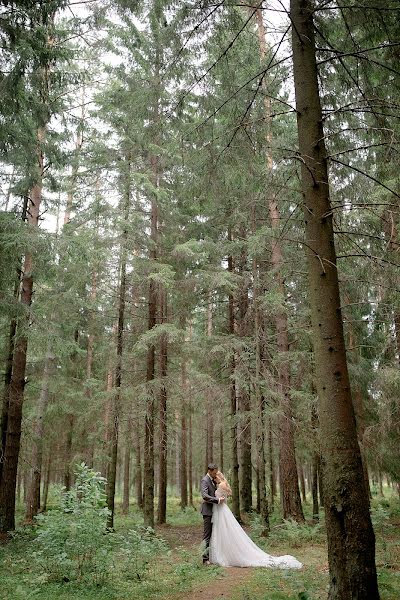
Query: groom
{"x": 207, "y": 488}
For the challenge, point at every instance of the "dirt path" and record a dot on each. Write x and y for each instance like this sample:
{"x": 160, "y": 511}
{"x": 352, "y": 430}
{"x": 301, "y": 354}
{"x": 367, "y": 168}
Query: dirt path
{"x": 220, "y": 588}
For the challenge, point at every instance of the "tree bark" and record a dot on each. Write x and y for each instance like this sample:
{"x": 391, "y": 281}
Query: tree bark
{"x": 184, "y": 470}
{"x": 209, "y": 403}
{"x": 190, "y": 465}
{"x": 68, "y": 452}
{"x": 262, "y": 500}
{"x": 10, "y": 357}
{"x": 163, "y": 450}
{"x": 115, "y": 408}
{"x": 289, "y": 485}
{"x": 233, "y": 403}
{"x": 148, "y": 488}
{"x": 351, "y": 540}
{"x": 127, "y": 470}
{"x": 138, "y": 466}
{"x": 272, "y": 474}
{"x": 17, "y": 384}
{"x": 243, "y": 395}
{"x": 33, "y": 496}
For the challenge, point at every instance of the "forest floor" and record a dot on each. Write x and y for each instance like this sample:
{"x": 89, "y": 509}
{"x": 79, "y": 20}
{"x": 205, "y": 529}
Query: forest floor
{"x": 178, "y": 574}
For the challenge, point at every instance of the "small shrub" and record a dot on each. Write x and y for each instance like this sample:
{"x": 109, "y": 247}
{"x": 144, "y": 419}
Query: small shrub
{"x": 72, "y": 543}
{"x": 137, "y": 550}
{"x": 380, "y": 515}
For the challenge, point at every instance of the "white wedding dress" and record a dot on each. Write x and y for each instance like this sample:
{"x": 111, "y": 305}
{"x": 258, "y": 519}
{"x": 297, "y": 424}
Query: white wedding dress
{"x": 230, "y": 546}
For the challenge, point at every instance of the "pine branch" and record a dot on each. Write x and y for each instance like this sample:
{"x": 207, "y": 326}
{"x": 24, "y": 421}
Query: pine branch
{"x": 366, "y": 175}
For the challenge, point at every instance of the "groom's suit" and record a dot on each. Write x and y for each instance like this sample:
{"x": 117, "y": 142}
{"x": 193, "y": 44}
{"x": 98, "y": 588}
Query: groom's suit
{"x": 207, "y": 489}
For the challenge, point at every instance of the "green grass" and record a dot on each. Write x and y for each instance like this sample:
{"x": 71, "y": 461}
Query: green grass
{"x": 179, "y": 571}
{"x": 168, "y": 575}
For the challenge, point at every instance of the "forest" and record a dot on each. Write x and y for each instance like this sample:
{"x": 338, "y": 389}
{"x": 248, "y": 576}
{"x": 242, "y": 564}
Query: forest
{"x": 199, "y": 263}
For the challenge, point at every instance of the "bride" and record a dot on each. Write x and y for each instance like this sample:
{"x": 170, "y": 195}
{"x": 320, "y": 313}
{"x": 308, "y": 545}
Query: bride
{"x": 230, "y": 546}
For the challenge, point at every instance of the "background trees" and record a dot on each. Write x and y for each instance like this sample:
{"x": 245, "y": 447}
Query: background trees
{"x": 170, "y": 322}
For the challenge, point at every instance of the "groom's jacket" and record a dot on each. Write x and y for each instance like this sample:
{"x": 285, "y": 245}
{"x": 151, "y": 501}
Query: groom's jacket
{"x": 207, "y": 489}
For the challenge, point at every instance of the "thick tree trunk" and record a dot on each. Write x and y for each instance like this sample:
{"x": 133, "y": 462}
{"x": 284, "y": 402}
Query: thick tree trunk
{"x": 351, "y": 540}
{"x": 17, "y": 384}
{"x": 10, "y": 358}
{"x": 33, "y": 496}
{"x": 163, "y": 449}
{"x": 233, "y": 406}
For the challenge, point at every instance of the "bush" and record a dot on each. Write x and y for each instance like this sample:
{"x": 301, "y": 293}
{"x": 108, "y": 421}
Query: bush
{"x": 73, "y": 543}
{"x": 137, "y": 551}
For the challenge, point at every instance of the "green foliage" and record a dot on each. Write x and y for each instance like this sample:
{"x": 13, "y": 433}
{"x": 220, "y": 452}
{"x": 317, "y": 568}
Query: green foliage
{"x": 290, "y": 533}
{"x": 137, "y": 551}
{"x": 73, "y": 544}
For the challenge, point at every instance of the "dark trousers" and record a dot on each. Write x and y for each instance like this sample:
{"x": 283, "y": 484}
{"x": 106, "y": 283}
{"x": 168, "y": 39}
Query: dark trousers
{"x": 207, "y": 535}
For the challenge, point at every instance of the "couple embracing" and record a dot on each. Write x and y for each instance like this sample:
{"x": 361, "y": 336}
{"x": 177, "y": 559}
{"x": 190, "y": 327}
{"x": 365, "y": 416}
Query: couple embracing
{"x": 226, "y": 543}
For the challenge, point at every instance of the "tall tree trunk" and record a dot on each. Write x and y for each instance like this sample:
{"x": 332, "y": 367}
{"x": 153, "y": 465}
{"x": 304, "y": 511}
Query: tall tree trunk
{"x": 163, "y": 452}
{"x": 289, "y": 485}
{"x": 33, "y": 496}
{"x": 138, "y": 465}
{"x": 115, "y": 408}
{"x": 89, "y": 449}
{"x": 209, "y": 400}
{"x": 184, "y": 473}
{"x": 233, "y": 403}
{"x": 272, "y": 473}
{"x": 262, "y": 500}
{"x": 17, "y": 384}
{"x": 243, "y": 395}
{"x": 148, "y": 488}
{"x": 190, "y": 465}
{"x": 10, "y": 357}
{"x": 127, "y": 470}
{"x": 108, "y": 403}
{"x": 351, "y": 540}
